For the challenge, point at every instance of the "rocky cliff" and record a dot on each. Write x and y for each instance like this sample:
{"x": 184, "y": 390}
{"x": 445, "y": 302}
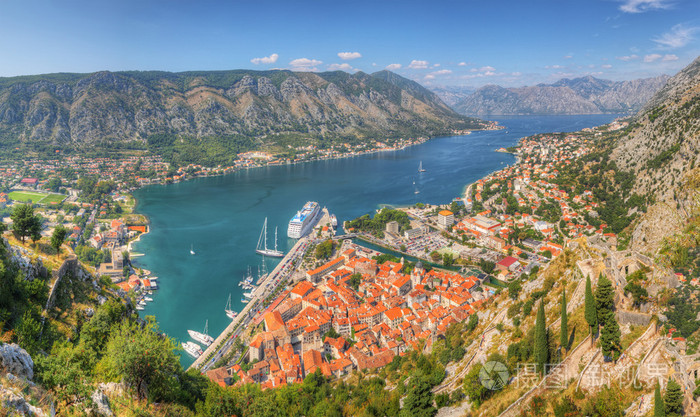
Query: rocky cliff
{"x": 82, "y": 110}
{"x": 586, "y": 95}
{"x": 661, "y": 149}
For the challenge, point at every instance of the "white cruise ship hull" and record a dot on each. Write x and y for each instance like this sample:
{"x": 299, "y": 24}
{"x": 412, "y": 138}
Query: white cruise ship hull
{"x": 304, "y": 221}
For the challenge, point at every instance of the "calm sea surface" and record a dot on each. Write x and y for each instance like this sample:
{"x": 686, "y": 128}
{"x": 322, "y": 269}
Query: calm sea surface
{"x": 221, "y": 217}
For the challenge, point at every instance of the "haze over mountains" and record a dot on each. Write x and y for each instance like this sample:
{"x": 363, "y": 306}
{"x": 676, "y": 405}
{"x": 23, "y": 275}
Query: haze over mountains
{"x": 585, "y": 95}
{"x": 122, "y": 107}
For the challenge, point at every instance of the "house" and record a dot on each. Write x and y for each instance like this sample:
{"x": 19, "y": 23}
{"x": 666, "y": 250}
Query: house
{"x": 445, "y": 219}
{"x": 508, "y": 264}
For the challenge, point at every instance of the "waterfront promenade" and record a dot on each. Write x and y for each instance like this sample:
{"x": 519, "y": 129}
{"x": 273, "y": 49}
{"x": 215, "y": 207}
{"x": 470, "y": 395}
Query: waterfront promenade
{"x": 223, "y": 343}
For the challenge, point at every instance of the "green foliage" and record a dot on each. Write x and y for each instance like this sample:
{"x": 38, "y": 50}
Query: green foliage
{"x": 590, "y": 307}
{"x": 682, "y": 309}
{"x": 541, "y": 348}
{"x": 143, "y": 357}
{"x": 25, "y": 223}
{"x": 514, "y": 289}
{"x": 639, "y": 293}
{"x": 673, "y": 399}
{"x": 564, "y": 328}
{"x": 664, "y": 157}
{"x": 610, "y": 337}
{"x": 324, "y": 250}
{"x": 606, "y": 403}
{"x": 419, "y": 400}
{"x": 604, "y": 298}
{"x": 473, "y": 322}
{"x": 58, "y": 236}
{"x": 565, "y": 408}
{"x": 659, "y": 409}
{"x": 355, "y": 280}
{"x": 486, "y": 266}
{"x": 28, "y": 331}
{"x": 377, "y": 225}
{"x": 473, "y": 388}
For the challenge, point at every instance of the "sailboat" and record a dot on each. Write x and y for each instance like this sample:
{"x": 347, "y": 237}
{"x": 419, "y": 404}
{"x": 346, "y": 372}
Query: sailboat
{"x": 420, "y": 167}
{"x": 262, "y": 243}
{"x": 191, "y": 249}
{"x": 202, "y": 338}
{"x": 229, "y": 312}
{"x": 415, "y": 188}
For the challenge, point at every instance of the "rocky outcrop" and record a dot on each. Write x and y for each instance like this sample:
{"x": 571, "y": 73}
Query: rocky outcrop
{"x": 16, "y": 361}
{"x": 101, "y": 403}
{"x": 586, "y": 95}
{"x": 90, "y": 109}
{"x": 13, "y": 401}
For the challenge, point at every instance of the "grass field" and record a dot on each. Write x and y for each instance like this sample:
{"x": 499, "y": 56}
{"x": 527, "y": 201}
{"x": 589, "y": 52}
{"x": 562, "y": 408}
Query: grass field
{"x": 36, "y": 197}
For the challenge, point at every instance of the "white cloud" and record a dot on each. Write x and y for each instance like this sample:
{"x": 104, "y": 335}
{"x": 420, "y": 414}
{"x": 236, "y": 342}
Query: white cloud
{"x": 436, "y": 65}
{"x": 640, "y": 6}
{"x": 652, "y": 57}
{"x": 429, "y": 77}
{"x": 606, "y": 66}
{"x": 346, "y": 56}
{"x": 462, "y": 64}
{"x": 416, "y": 64}
{"x": 627, "y": 58}
{"x": 669, "y": 58}
{"x": 340, "y": 67}
{"x": 568, "y": 56}
{"x": 678, "y": 37}
{"x": 265, "y": 60}
{"x": 556, "y": 66}
{"x": 442, "y": 72}
{"x": 393, "y": 67}
{"x": 304, "y": 64}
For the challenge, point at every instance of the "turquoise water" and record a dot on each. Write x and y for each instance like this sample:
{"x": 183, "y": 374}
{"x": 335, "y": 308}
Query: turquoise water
{"x": 222, "y": 216}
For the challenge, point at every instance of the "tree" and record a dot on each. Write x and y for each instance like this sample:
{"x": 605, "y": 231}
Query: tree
{"x": 355, "y": 280}
{"x": 610, "y": 337}
{"x": 514, "y": 288}
{"x": 24, "y": 222}
{"x": 673, "y": 399}
{"x": 473, "y": 387}
{"x": 659, "y": 410}
{"x": 564, "y": 329}
{"x": 604, "y": 298}
{"x": 142, "y": 356}
{"x": 448, "y": 259}
{"x": 28, "y": 332}
{"x": 58, "y": 236}
{"x": 541, "y": 348}
{"x": 473, "y": 322}
{"x": 3, "y": 227}
{"x": 419, "y": 401}
{"x": 590, "y": 312}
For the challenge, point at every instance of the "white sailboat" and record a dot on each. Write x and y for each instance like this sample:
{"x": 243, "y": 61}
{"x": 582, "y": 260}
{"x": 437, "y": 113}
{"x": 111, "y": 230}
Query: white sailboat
{"x": 229, "y": 312}
{"x": 202, "y": 338}
{"x": 262, "y": 243}
{"x": 420, "y": 167}
{"x": 191, "y": 249}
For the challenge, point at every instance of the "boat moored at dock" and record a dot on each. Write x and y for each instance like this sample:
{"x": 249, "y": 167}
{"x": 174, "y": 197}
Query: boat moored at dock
{"x": 202, "y": 338}
{"x": 305, "y": 220}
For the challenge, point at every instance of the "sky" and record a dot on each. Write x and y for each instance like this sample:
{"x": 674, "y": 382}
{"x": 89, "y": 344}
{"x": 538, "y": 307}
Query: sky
{"x": 437, "y": 42}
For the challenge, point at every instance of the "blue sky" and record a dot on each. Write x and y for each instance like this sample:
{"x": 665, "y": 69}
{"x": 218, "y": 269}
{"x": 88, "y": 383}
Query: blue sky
{"x": 470, "y": 43}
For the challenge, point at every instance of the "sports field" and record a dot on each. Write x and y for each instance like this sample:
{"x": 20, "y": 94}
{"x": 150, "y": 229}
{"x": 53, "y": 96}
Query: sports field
{"x": 36, "y": 197}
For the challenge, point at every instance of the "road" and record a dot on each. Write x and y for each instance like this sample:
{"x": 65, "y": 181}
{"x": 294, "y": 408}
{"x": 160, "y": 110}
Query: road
{"x": 222, "y": 345}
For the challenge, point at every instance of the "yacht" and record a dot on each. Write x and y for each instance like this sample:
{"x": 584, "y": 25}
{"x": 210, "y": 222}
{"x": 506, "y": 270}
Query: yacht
{"x": 420, "y": 167}
{"x": 262, "y": 243}
{"x": 248, "y": 294}
{"x": 191, "y": 249}
{"x": 149, "y": 299}
{"x": 140, "y": 308}
{"x": 305, "y": 220}
{"x": 244, "y": 300}
{"x": 192, "y": 349}
{"x": 229, "y": 312}
{"x": 202, "y": 338}
{"x": 334, "y": 221}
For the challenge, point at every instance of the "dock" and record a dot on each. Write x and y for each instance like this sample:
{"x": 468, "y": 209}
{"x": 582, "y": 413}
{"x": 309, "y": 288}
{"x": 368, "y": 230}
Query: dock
{"x": 223, "y": 343}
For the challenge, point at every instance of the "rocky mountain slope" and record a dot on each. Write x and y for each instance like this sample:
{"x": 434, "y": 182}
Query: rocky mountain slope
{"x": 662, "y": 150}
{"x": 586, "y": 95}
{"x": 452, "y": 95}
{"x": 86, "y": 109}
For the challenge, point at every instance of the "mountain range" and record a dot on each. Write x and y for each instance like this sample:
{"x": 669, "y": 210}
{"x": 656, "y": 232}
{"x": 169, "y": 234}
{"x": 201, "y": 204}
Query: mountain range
{"x": 254, "y": 108}
{"x": 585, "y": 95}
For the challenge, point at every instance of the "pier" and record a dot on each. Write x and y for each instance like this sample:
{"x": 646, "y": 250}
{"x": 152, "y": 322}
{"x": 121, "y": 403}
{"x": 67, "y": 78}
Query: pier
{"x": 223, "y": 343}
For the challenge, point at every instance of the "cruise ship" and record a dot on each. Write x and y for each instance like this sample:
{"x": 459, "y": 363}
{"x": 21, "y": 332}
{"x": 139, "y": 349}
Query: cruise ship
{"x": 305, "y": 220}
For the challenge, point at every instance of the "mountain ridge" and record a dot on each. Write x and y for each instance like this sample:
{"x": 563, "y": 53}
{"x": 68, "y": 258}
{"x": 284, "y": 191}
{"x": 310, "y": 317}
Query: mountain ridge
{"x": 82, "y": 110}
{"x": 583, "y": 95}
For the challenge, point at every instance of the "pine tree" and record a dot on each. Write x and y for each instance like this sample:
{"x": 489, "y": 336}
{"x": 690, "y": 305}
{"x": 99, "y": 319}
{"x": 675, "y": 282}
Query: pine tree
{"x": 610, "y": 337}
{"x": 604, "y": 298}
{"x": 564, "y": 332}
{"x": 541, "y": 347}
{"x": 590, "y": 312}
{"x": 673, "y": 399}
{"x": 659, "y": 410}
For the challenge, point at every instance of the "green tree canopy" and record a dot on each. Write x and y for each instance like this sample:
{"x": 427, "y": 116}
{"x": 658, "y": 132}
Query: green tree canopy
{"x": 142, "y": 356}
{"x": 25, "y": 223}
{"x": 564, "y": 329}
{"x": 590, "y": 311}
{"x": 604, "y": 298}
{"x": 541, "y": 347}
{"x": 58, "y": 236}
{"x": 673, "y": 399}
